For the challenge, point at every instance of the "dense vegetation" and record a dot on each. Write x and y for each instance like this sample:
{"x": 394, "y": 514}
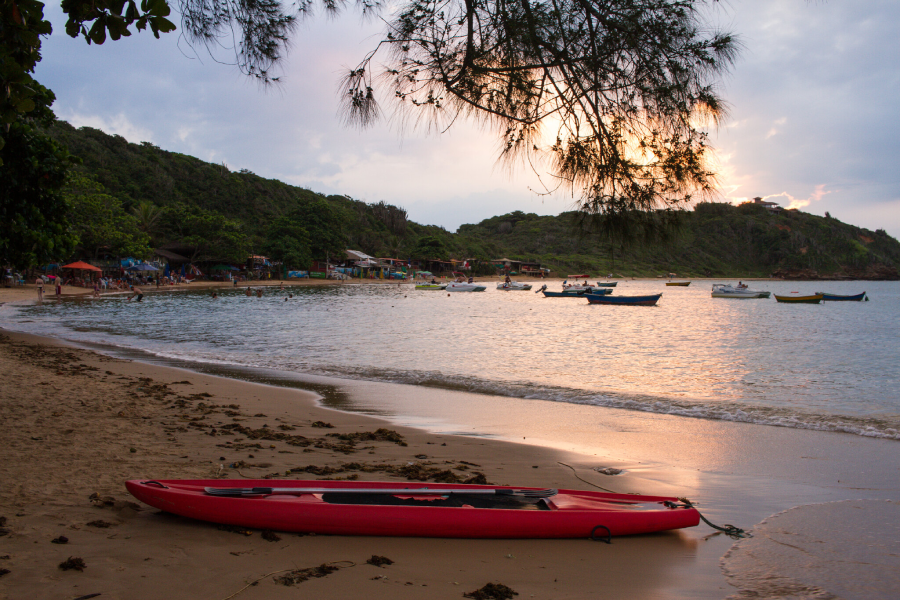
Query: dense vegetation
{"x": 174, "y": 198}
{"x": 715, "y": 239}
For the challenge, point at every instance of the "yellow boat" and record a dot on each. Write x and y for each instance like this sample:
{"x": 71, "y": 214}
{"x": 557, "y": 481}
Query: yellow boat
{"x": 813, "y": 299}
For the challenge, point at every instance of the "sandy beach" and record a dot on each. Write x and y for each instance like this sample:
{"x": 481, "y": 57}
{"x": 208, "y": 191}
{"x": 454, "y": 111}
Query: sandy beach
{"x": 77, "y": 424}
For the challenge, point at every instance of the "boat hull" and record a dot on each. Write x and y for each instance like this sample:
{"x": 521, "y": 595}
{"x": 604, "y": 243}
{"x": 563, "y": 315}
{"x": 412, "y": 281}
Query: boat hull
{"x": 814, "y": 299}
{"x": 569, "y": 514}
{"x": 430, "y": 286}
{"x": 629, "y": 300}
{"x": 678, "y": 283}
{"x": 465, "y": 287}
{"x": 607, "y": 284}
{"x": 578, "y": 294}
{"x": 514, "y": 287}
{"x": 839, "y": 298}
{"x": 743, "y": 295}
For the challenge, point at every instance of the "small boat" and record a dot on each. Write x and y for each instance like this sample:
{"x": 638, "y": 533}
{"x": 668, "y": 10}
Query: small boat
{"x": 721, "y": 290}
{"x": 679, "y": 283}
{"x": 633, "y": 300}
{"x": 513, "y": 286}
{"x": 461, "y": 286}
{"x": 607, "y": 283}
{"x": 414, "y": 509}
{"x": 430, "y": 286}
{"x": 576, "y": 293}
{"x": 814, "y": 299}
{"x": 838, "y": 298}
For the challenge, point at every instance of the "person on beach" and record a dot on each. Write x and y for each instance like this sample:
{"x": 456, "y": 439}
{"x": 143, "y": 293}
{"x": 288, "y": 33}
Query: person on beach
{"x": 281, "y": 287}
{"x": 259, "y": 293}
{"x": 248, "y": 292}
{"x": 58, "y": 286}
{"x": 136, "y": 291}
{"x": 215, "y": 296}
{"x": 40, "y": 288}
{"x": 96, "y": 293}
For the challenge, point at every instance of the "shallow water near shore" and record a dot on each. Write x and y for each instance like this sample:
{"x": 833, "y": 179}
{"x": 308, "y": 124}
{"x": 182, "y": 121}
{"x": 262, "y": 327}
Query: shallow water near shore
{"x": 828, "y": 367}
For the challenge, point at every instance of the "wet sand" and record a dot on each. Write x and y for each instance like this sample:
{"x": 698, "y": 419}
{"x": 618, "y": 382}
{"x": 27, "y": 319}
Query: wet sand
{"x": 76, "y": 423}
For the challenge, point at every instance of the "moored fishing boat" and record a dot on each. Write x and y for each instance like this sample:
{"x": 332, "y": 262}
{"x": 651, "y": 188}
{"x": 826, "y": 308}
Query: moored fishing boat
{"x": 575, "y": 293}
{"x": 839, "y": 298}
{"x": 811, "y": 299}
{"x": 678, "y": 283}
{"x": 461, "y": 286}
{"x": 606, "y": 283}
{"x": 721, "y": 290}
{"x": 414, "y": 509}
{"x": 430, "y": 286}
{"x": 650, "y": 300}
{"x": 513, "y": 286}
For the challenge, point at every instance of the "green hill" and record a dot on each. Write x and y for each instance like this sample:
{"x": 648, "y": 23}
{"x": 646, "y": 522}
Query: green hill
{"x": 226, "y": 215}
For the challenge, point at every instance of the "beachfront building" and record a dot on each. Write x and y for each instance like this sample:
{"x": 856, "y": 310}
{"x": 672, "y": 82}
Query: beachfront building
{"x": 518, "y": 267}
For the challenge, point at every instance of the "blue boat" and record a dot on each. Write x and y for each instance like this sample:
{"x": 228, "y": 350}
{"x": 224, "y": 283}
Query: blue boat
{"x": 576, "y": 294}
{"x": 838, "y": 298}
{"x": 632, "y": 300}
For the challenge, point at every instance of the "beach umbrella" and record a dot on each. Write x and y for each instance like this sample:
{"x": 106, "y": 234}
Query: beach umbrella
{"x": 81, "y": 266}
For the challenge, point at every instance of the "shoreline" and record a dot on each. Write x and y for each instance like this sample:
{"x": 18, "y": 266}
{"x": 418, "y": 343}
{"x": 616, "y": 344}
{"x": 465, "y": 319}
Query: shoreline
{"x": 106, "y": 420}
{"x": 28, "y": 291}
{"x": 665, "y": 455}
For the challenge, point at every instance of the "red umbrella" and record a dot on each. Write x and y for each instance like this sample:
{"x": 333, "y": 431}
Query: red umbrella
{"x": 81, "y": 265}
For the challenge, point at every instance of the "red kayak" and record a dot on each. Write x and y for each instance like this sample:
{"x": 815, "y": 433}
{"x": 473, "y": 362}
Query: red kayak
{"x": 414, "y": 509}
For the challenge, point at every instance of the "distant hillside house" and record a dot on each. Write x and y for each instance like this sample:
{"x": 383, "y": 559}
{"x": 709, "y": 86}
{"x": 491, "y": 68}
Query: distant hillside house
{"x": 769, "y": 206}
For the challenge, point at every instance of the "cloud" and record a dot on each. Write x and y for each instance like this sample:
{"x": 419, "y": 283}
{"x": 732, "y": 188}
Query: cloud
{"x": 774, "y": 130}
{"x": 115, "y": 125}
{"x": 797, "y": 203}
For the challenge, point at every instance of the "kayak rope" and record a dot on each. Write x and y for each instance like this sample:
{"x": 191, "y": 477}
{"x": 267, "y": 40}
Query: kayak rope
{"x": 575, "y": 473}
{"x": 252, "y": 583}
{"x": 732, "y": 531}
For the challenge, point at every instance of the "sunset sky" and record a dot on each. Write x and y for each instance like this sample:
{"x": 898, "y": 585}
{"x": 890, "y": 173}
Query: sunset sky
{"x": 813, "y": 116}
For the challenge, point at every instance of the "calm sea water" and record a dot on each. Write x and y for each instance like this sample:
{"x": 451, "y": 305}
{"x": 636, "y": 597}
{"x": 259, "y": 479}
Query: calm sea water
{"x": 831, "y": 367}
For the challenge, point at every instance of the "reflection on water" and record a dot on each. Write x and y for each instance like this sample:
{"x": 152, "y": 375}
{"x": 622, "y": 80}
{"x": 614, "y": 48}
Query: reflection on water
{"x": 829, "y": 366}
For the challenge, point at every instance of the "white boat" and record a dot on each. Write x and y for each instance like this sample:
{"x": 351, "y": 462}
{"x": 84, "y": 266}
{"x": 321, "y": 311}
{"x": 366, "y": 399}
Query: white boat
{"x": 722, "y": 290}
{"x": 430, "y": 286}
{"x": 457, "y": 286}
{"x": 513, "y": 286}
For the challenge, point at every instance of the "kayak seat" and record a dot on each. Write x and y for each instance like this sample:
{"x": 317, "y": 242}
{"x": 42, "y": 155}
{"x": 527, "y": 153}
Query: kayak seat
{"x": 449, "y": 501}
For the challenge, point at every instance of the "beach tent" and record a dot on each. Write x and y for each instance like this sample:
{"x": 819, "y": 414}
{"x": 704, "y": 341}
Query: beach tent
{"x": 81, "y": 266}
{"x": 143, "y": 267}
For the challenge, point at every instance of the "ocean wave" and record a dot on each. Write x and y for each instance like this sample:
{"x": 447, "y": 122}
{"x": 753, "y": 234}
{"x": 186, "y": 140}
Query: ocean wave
{"x": 885, "y": 427}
